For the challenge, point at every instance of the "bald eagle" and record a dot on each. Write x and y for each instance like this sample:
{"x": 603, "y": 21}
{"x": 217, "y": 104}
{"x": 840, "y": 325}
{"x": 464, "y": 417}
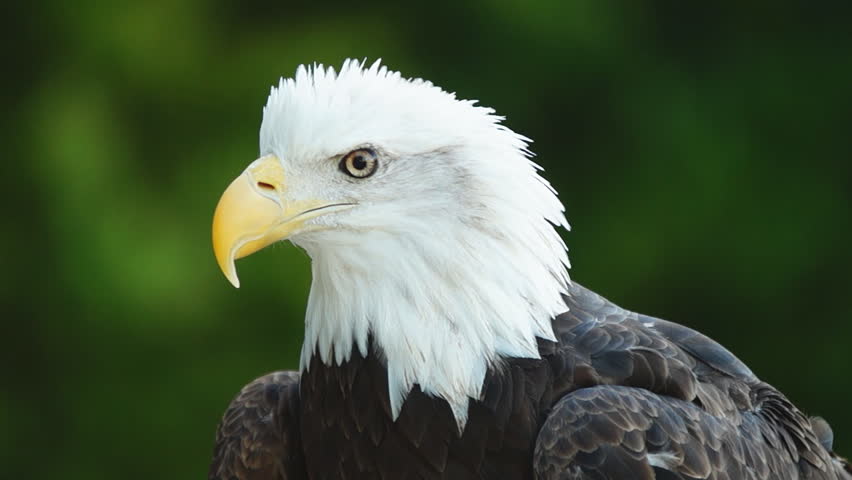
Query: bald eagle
{"x": 443, "y": 336}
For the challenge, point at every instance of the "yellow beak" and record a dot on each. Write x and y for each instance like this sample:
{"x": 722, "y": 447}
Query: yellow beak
{"x": 254, "y": 213}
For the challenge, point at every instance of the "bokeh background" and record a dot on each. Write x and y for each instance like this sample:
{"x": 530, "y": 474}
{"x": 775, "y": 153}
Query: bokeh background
{"x": 703, "y": 152}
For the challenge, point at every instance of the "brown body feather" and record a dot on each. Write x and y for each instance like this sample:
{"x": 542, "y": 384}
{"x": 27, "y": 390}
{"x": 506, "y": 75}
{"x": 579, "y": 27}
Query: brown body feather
{"x": 618, "y": 396}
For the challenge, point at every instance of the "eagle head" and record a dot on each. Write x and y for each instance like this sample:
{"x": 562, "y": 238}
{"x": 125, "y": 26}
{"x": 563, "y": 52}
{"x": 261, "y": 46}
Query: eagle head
{"x": 431, "y": 234}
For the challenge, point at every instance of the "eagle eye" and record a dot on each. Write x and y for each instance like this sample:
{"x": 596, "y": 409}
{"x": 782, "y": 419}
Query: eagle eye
{"x": 359, "y": 163}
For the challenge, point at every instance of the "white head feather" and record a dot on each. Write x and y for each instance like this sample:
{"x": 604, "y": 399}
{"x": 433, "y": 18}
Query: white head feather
{"x": 451, "y": 260}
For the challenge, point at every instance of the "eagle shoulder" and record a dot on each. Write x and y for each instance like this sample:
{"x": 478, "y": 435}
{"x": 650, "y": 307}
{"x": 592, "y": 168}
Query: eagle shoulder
{"x": 660, "y": 398}
{"x": 258, "y": 437}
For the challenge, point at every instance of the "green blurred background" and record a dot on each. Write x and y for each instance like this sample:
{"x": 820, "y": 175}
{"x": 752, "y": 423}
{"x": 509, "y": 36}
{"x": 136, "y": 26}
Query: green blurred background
{"x": 703, "y": 153}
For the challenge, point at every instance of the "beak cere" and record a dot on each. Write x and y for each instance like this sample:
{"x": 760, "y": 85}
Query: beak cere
{"x": 255, "y": 211}
{"x": 250, "y": 215}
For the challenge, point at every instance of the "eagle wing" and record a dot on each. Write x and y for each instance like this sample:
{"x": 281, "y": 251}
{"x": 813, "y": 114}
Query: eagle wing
{"x": 258, "y": 437}
{"x": 644, "y": 398}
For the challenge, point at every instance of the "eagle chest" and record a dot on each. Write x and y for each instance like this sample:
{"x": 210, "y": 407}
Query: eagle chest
{"x": 347, "y": 429}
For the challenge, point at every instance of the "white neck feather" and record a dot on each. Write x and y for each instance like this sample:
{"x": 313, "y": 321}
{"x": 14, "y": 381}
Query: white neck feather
{"x": 442, "y": 301}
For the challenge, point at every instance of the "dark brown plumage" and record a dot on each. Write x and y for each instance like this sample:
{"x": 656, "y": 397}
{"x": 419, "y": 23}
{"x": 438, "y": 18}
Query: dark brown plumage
{"x": 619, "y": 396}
{"x": 258, "y": 437}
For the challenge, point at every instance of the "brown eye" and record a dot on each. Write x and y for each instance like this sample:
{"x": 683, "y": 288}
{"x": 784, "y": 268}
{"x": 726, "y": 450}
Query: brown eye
{"x": 359, "y": 163}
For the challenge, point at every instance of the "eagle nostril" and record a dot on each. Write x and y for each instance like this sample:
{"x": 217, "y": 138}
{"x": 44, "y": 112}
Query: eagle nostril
{"x": 265, "y": 186}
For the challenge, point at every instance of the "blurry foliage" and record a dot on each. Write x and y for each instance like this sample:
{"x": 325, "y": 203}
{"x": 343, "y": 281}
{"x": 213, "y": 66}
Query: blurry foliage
{"x": 703, "y": 152}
